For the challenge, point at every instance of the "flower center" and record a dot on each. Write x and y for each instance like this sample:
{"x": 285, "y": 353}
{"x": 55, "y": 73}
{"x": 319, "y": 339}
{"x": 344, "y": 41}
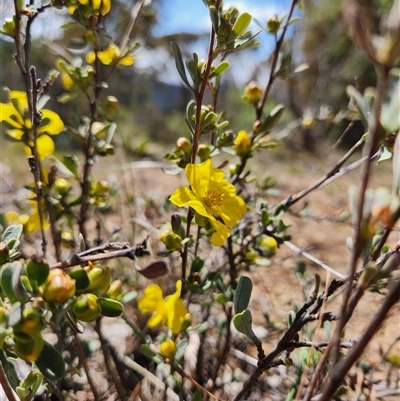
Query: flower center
{"x": 213, "y": 198}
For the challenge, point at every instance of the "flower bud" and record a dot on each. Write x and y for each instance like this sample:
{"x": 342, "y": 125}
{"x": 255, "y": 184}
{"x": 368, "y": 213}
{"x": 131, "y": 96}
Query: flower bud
{"x": 273, "y": 25}
{"x": 224, "y": 30}
{"x": 110, "y": 106}
{"x": 31, "y": 323}
{"x": 90, "y": 36}
{"x": 61, "y": 186}
{"x": 186, "y": 322}
{"x": 253, "y": 92}
{"x": 269, "y": 246}
{"x": 242, "y": 144}
{"x": 176, "y": 222}
{"x": 173, "y": 242}
{"x": 225, "y": 139}
{"x": 168, "y": 349}
{"x": 58, "y": 287}
{"x": 28, "y": 347}
{"x": 9, "y": 27}
{"x": 86, "y": 307}
{"x": 99, "y": 277}
{"x": 184, "y": 144}
{"x": 115, "y": 290}
{"x": 4, "y": 253}
{"x": 203, "y": 152}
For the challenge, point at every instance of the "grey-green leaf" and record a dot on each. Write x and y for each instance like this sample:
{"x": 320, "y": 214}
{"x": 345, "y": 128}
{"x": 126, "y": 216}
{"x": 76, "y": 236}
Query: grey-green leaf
{"x": 179, "y": 64}
{"x": 243, "y": 294}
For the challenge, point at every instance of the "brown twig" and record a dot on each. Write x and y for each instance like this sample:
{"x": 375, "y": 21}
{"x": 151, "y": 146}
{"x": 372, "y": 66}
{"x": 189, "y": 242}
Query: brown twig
{"x": 84, "y": 257}
{"x": 343, "y": 366}
{"x": 5, "y": 384}
{"x": 292, "y": 199}
{"x": 110, "y": 364}
{"x": 84, "y": 361}
{"x": 274, "y": 62}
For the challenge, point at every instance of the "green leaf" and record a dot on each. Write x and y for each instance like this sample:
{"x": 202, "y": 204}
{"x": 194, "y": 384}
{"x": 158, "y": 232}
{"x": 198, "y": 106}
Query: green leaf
{"x": 242, "y": 294}
{"x": 10, "y": 282}
{"x": 111, "y": 307}
{"x": 197, "y": 265}
{"x": 390, "y": 116}
{"x": 243, "y": 323}
{"x": 198, "y": 395}
{"x": 220, "y": 68}
{"x": 179, "y": 64}
{"x": 37, "y": 271}
{"x": 273, "y": 117}
{"x": 71, "y": 163}
{"x": 360, "y": 102}
{"x": 51, "y": 363}
{"x": 9, "y": 368}
{"x": 11, "y": 233}
{"x": 241, "y": 24}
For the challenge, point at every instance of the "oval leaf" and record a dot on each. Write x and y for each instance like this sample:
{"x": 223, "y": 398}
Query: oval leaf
{"x": 241, "y": 24}
{"x": 37, "y": 270}
{"x": 243, "y": 294}
{"x": 154, "y": 269}
{"x": 51, "y": 363}
{"x": 179, "y": 64}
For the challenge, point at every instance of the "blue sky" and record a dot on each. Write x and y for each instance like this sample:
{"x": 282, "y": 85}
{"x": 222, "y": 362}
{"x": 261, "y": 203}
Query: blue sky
{"x": 177, "y": 15}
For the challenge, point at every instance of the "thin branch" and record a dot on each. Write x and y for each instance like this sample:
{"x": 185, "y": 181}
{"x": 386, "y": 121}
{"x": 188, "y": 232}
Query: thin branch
{"x": 292, "y": 199}
{"x": 318, "y": 262}
{"x": 110, "y": 364}
{"x": 78, "y": 259}
{"x": 5, "y": 384}
{"x": 346, "y": 312}
{"x": 84, "y": 361}
{"x": 274, "y": 62}
{"x": 343, "y": 366}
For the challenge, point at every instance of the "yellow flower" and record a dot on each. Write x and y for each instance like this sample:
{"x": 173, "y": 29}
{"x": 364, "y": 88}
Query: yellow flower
{"x": 15, "y": 115}
{"x": 169, "y": 311}
{"x": 111, "y": 54}
{"x": 212, "y": 197}
{"x": 241, "y": 144}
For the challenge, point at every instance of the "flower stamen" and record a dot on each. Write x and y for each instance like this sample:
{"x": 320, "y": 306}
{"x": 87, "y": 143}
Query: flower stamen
{"x": 213, "y": 198}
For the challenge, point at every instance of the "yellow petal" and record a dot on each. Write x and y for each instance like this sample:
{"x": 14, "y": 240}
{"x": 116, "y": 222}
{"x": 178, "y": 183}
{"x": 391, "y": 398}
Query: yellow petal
{"x": 44, "y": 145}
{"x": 181, "y": 197}
{"x": 90, "y": 57}
{"x": 10, "y": 115}
{"x": 176, "y": 310}
{"x": 221, "y": 234}
{"x": 151, "y": 298}
{"x": 33, "y": 223}
{"x": 198, "y": 176}
{"x": 126, "y": 60}
{"x": 105, "y": 7}
{"x": 21, "y": 98}
{"x": 51, "y": 123}
{"x": 105, "y": 57}
{"x": 16, "y": 134}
